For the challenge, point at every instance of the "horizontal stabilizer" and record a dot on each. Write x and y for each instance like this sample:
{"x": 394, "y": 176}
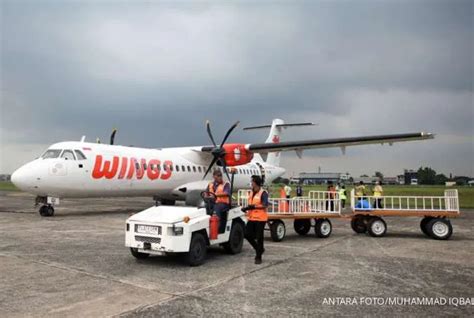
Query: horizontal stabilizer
{"x": 279, "y": 125}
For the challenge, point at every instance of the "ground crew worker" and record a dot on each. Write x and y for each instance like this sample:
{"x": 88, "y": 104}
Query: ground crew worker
{"x": 221, "y": 190}
{"x": 299, "y": 190}
{"x": 257, "y": 217}
{"x": 343, "y": 195}
{"x": 360, "y": 190}
{"x": 287, "y": 191}
{"x": 378, "y": 193}
{"x": 331, "y": 196}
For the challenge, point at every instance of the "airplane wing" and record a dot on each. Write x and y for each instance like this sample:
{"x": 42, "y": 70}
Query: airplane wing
{"x": 336, "y": 142}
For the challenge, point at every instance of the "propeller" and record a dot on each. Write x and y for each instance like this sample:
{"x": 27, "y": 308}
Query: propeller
{"x": 218, "y": 152}
{"x": 112, "y": 136}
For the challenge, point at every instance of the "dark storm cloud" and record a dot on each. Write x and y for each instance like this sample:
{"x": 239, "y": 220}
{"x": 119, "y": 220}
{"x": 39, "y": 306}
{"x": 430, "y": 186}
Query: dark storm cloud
{"x": 159, "y": 70}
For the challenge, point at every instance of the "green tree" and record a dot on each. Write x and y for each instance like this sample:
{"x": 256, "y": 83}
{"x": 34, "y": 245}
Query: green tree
{"x": 441, "y": 179}
{"x": 426, "y": 176}
{"x": 379, "y": 175}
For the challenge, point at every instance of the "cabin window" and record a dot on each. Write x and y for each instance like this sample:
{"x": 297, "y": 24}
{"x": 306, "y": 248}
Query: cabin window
{"x": 177, "y": 168}
{"x": 144, "y": 166}
{"x": 51, "y": 154}
{"x": 68, "y": 155}
{"x": 189, "y": 169}
{"x": 158, "y": 167}
{"x": 171, "y": 167}
{"x": 80, "y": 155}
{"x": 199, "y": 169}
{"x": 137, "y": 165}
{"x": 194, "y": 168}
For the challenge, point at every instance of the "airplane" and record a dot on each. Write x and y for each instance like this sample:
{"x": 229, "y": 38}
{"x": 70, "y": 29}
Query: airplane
{"x": 79, "y": 169}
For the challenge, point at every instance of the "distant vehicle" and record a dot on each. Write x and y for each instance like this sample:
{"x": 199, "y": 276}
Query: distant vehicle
{"x": 414, "y": 182}
{"x": 470, "y": 183}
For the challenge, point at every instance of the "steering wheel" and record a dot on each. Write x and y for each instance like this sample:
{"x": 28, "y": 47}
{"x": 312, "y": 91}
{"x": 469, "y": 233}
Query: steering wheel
{"x": 208, "y": 196}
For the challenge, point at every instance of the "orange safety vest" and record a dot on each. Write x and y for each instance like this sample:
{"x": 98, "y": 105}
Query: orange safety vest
{"x": 219, "y": 191}
{"x": 259, "y": 214}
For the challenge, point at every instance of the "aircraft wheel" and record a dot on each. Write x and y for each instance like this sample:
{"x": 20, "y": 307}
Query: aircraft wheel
{"x": 197, "y": 250}
{"x": 439, "y": 229}
{"x": 137, "y": 254}
{"x": 377, "y": 227}
{"x": 323, "y": 228}
{"x": 46, "y": 210}
{"x": 302, "y": 227}
{"x": 236, "y": 239}
{"x": 423, "y": 224}
{"x": 358, "y": 224}
{"x": 277, "y": 230}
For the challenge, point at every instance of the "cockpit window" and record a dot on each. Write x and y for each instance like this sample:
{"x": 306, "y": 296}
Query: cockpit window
{"x": 51, "y": 153}
{"x": 68, "y": 155}
{"x": 80, "y": 155}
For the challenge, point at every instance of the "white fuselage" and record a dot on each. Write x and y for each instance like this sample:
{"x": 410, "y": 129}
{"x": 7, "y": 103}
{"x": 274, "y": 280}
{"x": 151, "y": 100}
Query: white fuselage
{"x": 110, "y": 170}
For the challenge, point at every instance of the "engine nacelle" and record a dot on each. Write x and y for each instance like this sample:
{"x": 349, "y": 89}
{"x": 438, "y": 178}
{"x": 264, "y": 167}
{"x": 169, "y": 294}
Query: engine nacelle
{"x": 236, "y": 155}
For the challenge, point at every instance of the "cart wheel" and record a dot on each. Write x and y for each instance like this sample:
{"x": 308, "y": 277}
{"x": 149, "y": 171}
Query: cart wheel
{"x": 137, "y": 254}
{"x": 323, "y": 228}
{"x": 277, "y": 230}
{"x": 377, "y": 227}
{"x": 440, "y": 229}
{"x": 358, "y": 224}
{"x": 423, "y": 224}
{"x": 302, "y": 227}
{"x": 197, "y": 250}
{"x": 236, "y": 239}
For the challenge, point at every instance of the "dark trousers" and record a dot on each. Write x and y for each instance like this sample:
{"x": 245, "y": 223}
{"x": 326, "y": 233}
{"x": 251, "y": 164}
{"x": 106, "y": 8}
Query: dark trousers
{"x": 221, "y": 210}
{"x": 343, "y": 203}
{"x": 378, "y": 204}
{"x": 254, "y": 235}
{"x": 330, "y": 205}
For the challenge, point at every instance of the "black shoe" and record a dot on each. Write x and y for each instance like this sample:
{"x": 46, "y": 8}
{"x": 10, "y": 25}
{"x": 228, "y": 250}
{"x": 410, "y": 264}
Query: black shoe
{"x": 258, "y": 260}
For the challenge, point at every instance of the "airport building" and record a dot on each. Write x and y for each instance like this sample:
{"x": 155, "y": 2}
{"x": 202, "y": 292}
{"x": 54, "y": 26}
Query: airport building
{"x": 321, "y": 177}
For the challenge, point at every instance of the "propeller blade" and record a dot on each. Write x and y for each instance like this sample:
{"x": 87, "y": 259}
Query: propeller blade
{"x": 208, "y": 126}
{"x": 112, "y": 136}
{"x": 228, "y": 133}
{"x": 224, "y": 167}
{"x": 210, "y": 166}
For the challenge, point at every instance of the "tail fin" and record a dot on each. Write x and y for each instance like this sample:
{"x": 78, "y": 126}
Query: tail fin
{"x": 276, "y": 128}
{"x": 273, "y": 158}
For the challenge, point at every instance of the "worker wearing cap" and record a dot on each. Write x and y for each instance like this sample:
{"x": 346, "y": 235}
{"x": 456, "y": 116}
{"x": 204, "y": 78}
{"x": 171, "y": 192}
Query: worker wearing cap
{"x": 221, "y": 190}
{"x": 257, "y": 217}
{"x": 378, "y": 193}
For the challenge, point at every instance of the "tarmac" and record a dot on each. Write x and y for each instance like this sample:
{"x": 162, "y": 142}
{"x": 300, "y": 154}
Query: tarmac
{"x": 76, "y": 264}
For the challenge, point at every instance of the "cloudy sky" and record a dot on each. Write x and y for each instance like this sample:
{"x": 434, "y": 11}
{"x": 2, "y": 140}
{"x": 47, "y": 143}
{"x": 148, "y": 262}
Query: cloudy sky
{"x": 158, "y": 70}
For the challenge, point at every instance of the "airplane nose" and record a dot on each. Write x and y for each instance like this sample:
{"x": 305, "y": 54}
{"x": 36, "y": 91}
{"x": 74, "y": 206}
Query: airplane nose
{"x": 20, "y": 178}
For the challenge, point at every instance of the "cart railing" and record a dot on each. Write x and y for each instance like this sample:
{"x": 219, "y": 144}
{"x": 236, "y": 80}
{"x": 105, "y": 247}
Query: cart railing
{"x": 448, "y": 202}
{"x": 315, "y": 202}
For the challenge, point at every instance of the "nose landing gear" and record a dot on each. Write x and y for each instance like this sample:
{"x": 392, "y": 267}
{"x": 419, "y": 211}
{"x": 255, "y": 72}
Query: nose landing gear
{"x": 46, "y": 210}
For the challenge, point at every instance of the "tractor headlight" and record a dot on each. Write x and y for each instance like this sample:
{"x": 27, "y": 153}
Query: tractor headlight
{"x": 178, "y": 230}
